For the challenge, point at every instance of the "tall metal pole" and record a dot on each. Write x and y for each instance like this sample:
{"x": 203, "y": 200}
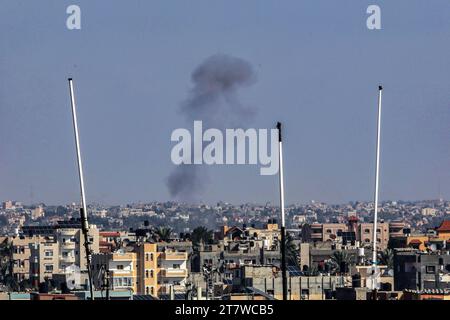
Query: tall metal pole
{"x": 377, "y": 175}
{"x": 283, "y": 222}
{"x": 83, "y": 209}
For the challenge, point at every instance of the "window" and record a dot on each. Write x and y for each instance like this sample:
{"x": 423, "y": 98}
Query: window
{"x": 120, "y": 267}
{"x": 152, "y": 290}
{"x": 366, "y": 230}
{"x": 147, "y": 273}
{"x": 328, "y": 230}
{"x": 48, "y": 268}
{"x": 176, "y": 266}
{"x": 430, "y": 269}
{"x": 48, "y": 253}
{"x": 151, "y": 273}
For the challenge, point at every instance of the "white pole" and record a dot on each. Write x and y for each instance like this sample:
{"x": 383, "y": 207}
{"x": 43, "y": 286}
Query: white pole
{"x": 377, "y": 175}
{"x": 79, "y": 161}
{"x": 83, "y": 211}
{"x": 283, "y": 222}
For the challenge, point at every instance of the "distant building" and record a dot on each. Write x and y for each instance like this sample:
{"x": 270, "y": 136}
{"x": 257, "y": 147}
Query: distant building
{"x": 417, "y": 270}
{"x": 37, "y": 213}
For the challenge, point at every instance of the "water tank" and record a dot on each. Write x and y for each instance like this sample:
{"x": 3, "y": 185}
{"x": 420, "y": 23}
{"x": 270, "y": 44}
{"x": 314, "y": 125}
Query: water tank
{"x": 360, "y": 252}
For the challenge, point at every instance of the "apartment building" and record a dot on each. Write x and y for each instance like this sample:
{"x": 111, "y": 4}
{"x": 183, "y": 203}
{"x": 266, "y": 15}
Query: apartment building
{"x": 418, "y": 270}
{"x": 119, "y": 268}
{"x": 42, "y": 251}
{"x": 365, "y": 234}
{"x": 21, "y": 252}
{"x": 44, "y": 260}
{"x": 71, "y": 245}
{"x": 162, "y": 267}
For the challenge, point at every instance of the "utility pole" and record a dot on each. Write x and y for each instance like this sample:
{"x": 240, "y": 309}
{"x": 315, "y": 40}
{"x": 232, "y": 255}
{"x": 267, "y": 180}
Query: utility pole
{"x": 283, "y": 222}
{"x": 375, "y": 217}
{"x": 83, "y": 209}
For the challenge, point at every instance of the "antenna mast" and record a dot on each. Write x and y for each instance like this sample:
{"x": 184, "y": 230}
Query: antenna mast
{"x": 375, "y": 217}
{"x": 283, "y": 222}
{"x": 83, "y": 209}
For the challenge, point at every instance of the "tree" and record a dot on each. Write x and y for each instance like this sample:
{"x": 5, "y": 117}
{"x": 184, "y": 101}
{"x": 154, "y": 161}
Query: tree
{"x": 340, "y": 260}
{"x": 201, "y": 235}
{"x": 6, "y": 265}
{"x": 163, "y": 233}
{"x": 292, "y": 251}
{"x": 386, "y": 257}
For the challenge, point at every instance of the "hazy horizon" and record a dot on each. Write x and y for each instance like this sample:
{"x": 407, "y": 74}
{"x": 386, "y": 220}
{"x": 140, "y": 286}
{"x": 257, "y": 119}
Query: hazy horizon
{"x": 317, "y": 70}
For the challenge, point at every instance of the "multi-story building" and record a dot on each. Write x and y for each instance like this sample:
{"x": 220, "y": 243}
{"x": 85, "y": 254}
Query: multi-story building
{"x": 44, "y": 260}
{"x": 21, "y": 252}
{"x": 71, "y": 245}
{"x": 119, "y": 268}
{"x": 37, "y": 213}
{"x": 418, "y": 270}
{"x": 162, "y": 267}
{"x": 46, "y": 250}
{"x": 365, "y": 234}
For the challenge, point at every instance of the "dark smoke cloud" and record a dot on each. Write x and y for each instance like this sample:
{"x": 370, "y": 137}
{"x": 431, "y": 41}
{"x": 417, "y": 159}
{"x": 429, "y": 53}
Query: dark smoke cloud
{"x": 186, "y": 182}
{"x": 214, "y": 100}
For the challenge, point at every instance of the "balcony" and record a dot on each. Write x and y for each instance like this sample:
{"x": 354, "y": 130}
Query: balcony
{"x": 67, "y": 259}
{"x": 68, "y": 245}
{"x": 174, "y": 273}
{"x": 175, "y": 256}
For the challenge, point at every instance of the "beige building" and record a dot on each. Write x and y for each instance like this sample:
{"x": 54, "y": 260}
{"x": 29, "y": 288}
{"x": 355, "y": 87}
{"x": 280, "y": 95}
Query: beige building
{"x": 71, "y": 246}
{"x": 365, "y": 234}
{"x": 37, "y": 213}
{"x": 38, "y": 256}
{"x": 161, "y": 268}
{"x": 21, "y": 252}
{"x": 326, "y": 231}
{"x": 44, "y": 260}
{"x": 122, "y": 268}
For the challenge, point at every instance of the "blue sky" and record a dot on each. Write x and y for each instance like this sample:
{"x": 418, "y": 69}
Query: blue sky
{"x": 317, "y": 66}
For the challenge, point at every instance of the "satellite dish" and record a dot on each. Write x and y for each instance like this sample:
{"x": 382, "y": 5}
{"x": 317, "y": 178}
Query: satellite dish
{"x": 73, "y": 277}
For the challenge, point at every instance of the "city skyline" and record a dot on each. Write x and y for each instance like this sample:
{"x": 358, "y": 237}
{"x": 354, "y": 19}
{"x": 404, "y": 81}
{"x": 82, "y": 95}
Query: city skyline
{"x": 317, "y": 68}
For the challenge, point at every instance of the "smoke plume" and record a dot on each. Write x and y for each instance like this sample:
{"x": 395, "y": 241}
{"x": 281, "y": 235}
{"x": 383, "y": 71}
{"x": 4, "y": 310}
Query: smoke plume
{"x": 213, "y": 99}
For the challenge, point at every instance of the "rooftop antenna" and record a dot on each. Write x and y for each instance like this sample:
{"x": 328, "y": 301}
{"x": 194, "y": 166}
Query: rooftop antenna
{"x": 83, "y": 209}
{"x": 283, "y": 223}
{"x": 375, "y": 271}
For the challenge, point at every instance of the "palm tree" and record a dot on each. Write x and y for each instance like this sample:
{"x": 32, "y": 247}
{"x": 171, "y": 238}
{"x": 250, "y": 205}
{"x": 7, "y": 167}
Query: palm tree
{"x": 163, "y": 233}
{"x": 340, "y": 260}
{"x": 6, "y": 265}
{"x": 201, "y": 235}
{"x": 386, "y": 257}
{"x": 292, "y": 251}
